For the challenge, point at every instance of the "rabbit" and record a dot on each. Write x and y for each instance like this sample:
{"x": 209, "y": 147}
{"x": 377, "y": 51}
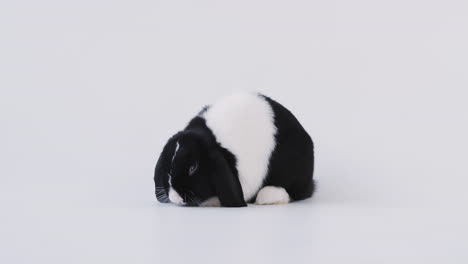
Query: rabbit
{"x": 245, "y": 148}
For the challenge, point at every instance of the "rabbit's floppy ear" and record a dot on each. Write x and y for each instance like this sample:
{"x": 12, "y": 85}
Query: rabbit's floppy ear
{"x": 163, "y": 167}
{"x": 226, "y": 184}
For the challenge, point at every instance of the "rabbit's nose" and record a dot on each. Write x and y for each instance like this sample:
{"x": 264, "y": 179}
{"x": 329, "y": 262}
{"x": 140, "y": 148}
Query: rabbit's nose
{"x": 175, "y": 197}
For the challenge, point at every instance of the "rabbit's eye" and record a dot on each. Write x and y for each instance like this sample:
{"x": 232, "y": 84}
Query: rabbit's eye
{"x": 193, "y": 168}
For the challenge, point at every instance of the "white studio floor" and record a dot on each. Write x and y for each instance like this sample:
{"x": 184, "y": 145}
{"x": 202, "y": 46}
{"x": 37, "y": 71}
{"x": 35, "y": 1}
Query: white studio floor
{"x": 60, "y": 230}
{"x": 91, "y": 90}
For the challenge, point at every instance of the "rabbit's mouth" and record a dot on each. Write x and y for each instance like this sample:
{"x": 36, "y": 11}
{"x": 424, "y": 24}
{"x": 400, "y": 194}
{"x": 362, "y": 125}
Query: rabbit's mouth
{"x": 186, "y": 198}
{"x": 175, "y": 197}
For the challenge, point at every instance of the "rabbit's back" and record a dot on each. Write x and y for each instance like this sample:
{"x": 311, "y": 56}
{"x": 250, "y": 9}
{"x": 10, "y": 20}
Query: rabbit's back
{"x": 244, "y": 125}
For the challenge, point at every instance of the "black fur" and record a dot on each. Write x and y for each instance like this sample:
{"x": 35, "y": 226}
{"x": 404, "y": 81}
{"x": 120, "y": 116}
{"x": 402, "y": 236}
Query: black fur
{"x": 291, "y": 164}
{"x": 216, "y": 174}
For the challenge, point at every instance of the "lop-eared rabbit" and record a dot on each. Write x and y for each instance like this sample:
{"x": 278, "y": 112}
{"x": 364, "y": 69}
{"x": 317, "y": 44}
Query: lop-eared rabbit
{"x": 245, "y": 148}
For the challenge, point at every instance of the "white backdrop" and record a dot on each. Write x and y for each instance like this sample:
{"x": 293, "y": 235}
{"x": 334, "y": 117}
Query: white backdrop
{"x": 91, "y": 90}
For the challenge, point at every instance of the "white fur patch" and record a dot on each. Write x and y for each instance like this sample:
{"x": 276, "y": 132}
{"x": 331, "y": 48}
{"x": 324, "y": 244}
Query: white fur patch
{"x": 272, "y": 195}
{"x": 174, "y": 197}
{"x": 244, "y": 125}
{"x": 172, "y": 161}
{"x": 175, "y": 151}
{"x": 213, "y": 201}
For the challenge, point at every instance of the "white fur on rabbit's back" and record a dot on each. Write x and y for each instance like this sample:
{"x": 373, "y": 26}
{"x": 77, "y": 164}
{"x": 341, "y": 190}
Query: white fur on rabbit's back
{"x": 244, "y": 124}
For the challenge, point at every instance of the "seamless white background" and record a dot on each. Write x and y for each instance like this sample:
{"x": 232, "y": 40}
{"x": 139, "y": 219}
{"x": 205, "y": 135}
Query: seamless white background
{"x": 91, "y": 90}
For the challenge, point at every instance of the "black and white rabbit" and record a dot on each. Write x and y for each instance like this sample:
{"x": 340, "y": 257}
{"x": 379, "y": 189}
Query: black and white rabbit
{"x": 245, "y": 148}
